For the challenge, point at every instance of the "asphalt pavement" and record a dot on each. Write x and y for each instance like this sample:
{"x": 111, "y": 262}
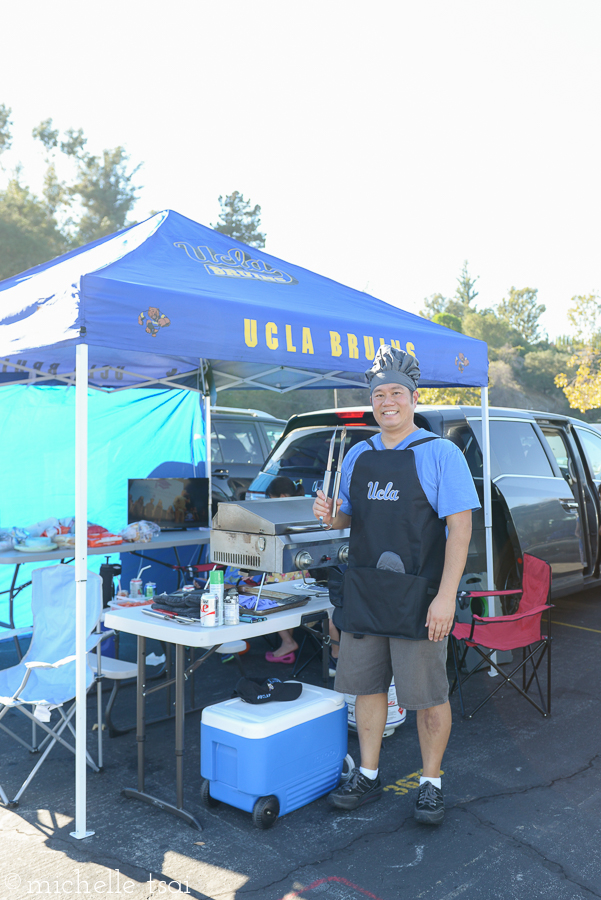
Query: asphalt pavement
{"x": 523, "y": 798}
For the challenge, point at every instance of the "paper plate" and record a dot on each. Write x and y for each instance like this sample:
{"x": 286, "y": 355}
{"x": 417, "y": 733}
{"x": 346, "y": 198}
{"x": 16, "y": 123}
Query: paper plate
{"x": 38, "y": 548}
{"x": 127, "y": 602}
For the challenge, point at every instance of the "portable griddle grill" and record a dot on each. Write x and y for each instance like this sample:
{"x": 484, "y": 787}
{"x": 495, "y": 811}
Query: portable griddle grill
{"x": 275, "y": 536}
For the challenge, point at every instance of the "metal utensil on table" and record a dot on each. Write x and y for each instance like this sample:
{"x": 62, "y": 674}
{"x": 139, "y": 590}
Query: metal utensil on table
{"x": 183, "y": 620}
{"x": 259, "y": 591}
{"x": 328, "y": 474}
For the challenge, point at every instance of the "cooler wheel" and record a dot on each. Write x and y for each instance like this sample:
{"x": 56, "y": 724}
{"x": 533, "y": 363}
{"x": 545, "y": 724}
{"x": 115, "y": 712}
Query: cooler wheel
{"x": 348, "y": 764}
{"x": 266, "y": 811}
{"x": 205, "y": 794}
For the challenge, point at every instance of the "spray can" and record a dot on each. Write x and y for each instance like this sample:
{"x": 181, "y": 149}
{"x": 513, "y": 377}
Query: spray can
{"x": 207, "y": 609}
{"x": 216, "y": 587}
{"x": 231, "y": 610}
{"x": 216, "y": 581}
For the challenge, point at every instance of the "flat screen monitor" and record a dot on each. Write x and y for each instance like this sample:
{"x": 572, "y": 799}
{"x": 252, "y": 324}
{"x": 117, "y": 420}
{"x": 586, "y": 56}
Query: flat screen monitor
{"x": 173, "y": 503}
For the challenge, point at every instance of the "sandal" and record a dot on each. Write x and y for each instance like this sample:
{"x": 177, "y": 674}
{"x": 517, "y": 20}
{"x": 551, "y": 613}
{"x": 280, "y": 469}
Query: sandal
{"x": 287, "y": 658}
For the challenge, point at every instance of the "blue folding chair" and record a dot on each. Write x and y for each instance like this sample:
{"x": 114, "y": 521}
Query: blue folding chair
{"x": 44, "y": 680}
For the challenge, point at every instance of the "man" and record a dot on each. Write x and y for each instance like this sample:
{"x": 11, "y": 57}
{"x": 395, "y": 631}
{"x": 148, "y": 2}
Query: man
{"x": 408, "y": 497}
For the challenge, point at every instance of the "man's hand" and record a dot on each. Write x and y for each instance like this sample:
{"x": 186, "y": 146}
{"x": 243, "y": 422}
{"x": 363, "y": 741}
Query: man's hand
{"x": 323, "y": 508}
{"x": 441, "y": 614}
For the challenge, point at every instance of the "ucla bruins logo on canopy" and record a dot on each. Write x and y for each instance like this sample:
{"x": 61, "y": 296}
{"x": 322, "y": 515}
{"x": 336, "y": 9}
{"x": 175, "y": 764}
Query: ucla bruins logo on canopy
{"x": 461, "y": 361}
{"x": 235, "y": 263}
{"x": 154, "y": 320}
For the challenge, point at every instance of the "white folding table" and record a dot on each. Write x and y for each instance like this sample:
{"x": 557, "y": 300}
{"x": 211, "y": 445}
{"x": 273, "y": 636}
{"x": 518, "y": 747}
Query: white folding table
{"x": 166, "y": 540}
{"x": 134, "y": 621}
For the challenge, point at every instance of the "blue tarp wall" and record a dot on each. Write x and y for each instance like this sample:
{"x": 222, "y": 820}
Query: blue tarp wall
{"x": 130, "y": 435}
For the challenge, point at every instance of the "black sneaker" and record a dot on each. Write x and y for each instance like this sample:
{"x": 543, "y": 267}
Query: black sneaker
{"x": 429, "y": 806}
{"x": 356, "y": 791}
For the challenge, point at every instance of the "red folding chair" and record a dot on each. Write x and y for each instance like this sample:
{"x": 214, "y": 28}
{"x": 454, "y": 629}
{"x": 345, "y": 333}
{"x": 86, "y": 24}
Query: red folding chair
{"x": 522, "y": 630}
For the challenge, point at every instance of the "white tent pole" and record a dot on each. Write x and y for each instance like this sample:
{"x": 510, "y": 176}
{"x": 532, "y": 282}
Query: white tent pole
{"x": 81, "y": 572}
{"x": 208, "y": 466}
{"x": 490, "y": 579}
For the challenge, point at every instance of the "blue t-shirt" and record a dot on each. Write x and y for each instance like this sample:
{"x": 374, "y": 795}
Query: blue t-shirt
{"x": 441, "y": 468}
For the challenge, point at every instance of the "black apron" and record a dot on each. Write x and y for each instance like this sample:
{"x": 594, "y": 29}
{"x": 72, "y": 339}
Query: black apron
{"x": 391, "y": 512}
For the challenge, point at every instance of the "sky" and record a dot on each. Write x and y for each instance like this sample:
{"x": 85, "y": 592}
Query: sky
{"x": 386, "y": 142}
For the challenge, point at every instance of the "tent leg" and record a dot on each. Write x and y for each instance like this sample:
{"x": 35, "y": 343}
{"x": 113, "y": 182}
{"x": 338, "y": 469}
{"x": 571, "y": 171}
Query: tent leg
{"x": 81, "y": 569}
{"x": 490, "y": 582}
{"x": 208, "y": 465}
{"x": 486, "y": 486}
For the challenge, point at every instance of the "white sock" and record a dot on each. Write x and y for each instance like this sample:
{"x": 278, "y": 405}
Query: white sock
{"x": 369, "y": 773}
{"x": 437, "y": 782}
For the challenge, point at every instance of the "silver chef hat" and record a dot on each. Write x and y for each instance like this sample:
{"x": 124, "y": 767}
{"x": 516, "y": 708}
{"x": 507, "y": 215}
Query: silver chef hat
{"x": 393, "y": 366}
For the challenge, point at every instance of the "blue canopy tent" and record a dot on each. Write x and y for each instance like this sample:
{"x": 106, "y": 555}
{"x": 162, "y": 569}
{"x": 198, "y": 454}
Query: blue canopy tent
{"x": 169, "y": 302}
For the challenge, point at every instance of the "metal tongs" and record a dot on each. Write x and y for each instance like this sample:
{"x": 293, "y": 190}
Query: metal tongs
{"x": 328, "y": 475}
{"x": 170, "y": 617}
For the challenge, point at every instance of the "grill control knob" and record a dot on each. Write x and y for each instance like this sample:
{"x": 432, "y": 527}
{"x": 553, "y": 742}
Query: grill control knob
{"x": 303, "y": 559}
{"x": 343, "y": 554}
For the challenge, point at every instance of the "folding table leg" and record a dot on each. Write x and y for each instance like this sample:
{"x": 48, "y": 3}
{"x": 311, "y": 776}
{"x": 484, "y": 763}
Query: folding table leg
{"x": 179, "y": 724}
{"x": 141, "y": 710}
{"x": 324, "y": 640}
{"x": 140, "y": 794}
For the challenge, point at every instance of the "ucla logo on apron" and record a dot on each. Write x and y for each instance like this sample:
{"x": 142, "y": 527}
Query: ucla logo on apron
{"x": 386, "y": 493}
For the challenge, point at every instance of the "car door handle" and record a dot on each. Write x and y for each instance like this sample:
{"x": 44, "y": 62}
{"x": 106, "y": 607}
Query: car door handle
{"x": 221, "y": 473}
{"x": 569, "y": 504}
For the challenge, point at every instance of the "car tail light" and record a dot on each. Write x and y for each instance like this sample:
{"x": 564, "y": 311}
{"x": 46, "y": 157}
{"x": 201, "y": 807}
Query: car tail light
{"x": 350, "y": 414}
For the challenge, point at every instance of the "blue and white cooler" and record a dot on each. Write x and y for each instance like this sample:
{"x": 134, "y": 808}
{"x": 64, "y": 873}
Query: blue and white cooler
{"x": 272, "y": 758}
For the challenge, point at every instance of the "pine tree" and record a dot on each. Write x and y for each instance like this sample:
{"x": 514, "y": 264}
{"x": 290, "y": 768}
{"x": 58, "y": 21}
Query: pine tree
{"x": 521, "y": 310}
{"x": 465, "y": 292}
{"x": 93, "y": 202}
{"x": 240, "y": 221}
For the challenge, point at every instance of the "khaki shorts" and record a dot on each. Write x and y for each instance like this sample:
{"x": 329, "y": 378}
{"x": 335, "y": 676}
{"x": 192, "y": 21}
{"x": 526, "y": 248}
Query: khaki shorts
{"x": 366, "y": 666}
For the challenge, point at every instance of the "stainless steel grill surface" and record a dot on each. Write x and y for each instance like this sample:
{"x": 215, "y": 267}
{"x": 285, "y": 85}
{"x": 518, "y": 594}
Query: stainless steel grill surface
{"x": 274, "y": 536}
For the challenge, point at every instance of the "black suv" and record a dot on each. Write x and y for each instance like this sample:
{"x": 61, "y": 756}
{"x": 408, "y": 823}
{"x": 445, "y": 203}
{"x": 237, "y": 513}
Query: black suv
{"x": 546, "y": 479}
{"x": 241, "y": 439}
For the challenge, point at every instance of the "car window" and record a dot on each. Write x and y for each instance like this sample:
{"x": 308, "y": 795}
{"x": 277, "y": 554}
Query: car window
{"x": 467, "y": 443}
{"x": 307, "y": 449}
{"x": 592, "y": 448}
{"x": 216, "y": 455}
{"x": 559, "y": 449}
{"x": 273, "y": 433}
{"x": 517, "y": 450}
{"x": 238, "y": 442}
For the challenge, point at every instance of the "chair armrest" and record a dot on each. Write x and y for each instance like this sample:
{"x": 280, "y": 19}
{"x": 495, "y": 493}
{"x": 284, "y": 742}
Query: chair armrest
{"x": 47, "y": 665}
{"x": 491, "y": 593}
{"x": 499, "y": 620}
{"x": 96, "y": 638}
